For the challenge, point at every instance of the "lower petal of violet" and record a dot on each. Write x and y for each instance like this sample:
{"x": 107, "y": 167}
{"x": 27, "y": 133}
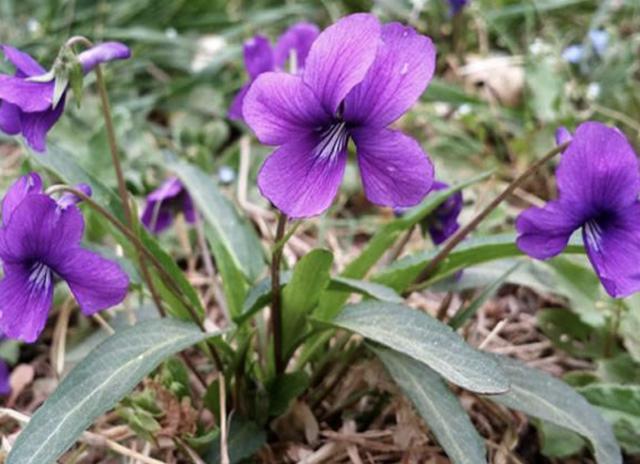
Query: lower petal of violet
{"x": 395, "y": 171}
{"x": 613, "y": 246}
{"x": 300, "y": 178}
{"x": 35, "y": 126}
{"x": 545, "y": 232}
{"x": 26, "y": 295}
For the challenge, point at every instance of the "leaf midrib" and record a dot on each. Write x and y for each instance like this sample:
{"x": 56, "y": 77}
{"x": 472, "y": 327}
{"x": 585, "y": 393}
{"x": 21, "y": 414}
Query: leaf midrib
{"x": 92, "y": 394}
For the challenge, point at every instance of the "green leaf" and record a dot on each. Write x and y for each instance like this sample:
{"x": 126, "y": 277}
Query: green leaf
{"x": 234, "y": 283}
{"x": 302, "y": 293}
{"x": 620, "y": 406}
{"x": 437, "y": 405}
{"x": 378, "y": 245}
{"x": 284, "y": 389}
{"x": 245, "y": 439}
{"x": 540, "y": 395}
{"x": 464, "y": 315}
{"x": 370, "y": 289}
{"x": 234, "y": 233}
{"x": 97, "y": 383}
{"x": 176, "y": 308}
{"x": 469, "y": 253}
{"x": 427, "y": 340}
{"x": 558, "y": 442}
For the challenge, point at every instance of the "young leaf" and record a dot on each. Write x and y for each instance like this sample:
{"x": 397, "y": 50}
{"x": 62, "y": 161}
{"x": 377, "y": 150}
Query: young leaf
{"x": 437, "y": 405}
{"x": 370, "y": 289}
{"x": 427, "y": 340}
{"x": 469, "y": 253}
{"x": 540, "y": 395}
{"x": 97, "y": 383}
{"x": 245, "y": 438}
{"x": 301, "y": 294}
{"x": 234, "y": 233}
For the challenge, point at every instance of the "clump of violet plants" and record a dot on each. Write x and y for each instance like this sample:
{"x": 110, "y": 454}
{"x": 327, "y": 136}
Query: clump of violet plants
{"x": 226, "y": 373}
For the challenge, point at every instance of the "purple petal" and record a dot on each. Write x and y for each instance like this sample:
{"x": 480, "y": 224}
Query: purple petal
{"x": 298, "y": 38}
{"x": 340, "y": 58}
{"x": 299, "y": 182}
{"x": 170, "y": 188}
{"x": 545, "y": 232}
{"x": 35, "y": 126}
{"x": 402, "y": 69}
{"x": 258, "y": 56}
{"x": 443, "y": 222}
{"x": 563, "y": 135}
{"x": 613, "y": 247}
{"x": 455, "y": 6}
{"x": 26, "y": 295}
{"x": 10, "y": 118}
{"x": 279, "y": 108}
{"x": 71, "y": 199}
{"x": 29, "y": 96}
{"x": 156, "y": 217}
{"x": 235, "y": 110}
{"x": 96, "y": 282}
{"x": 23, "y": 62}
{"x": 395, "y": 170}
{"x": 598, "y": 171}
{"x": 102, "y": 53}
{"x": 188, "y": 209}
{"x": 5, "y": 385}
{"x": 39, "y": 230}
{"x": 25, "y": 185}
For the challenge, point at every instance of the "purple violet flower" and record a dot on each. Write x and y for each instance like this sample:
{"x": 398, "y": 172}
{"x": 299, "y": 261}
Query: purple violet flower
{"x": 39, "y": 243}
{"x": 5, "y": 385}
{"x": 260, "y": 57}
{"x": 443, "y": 222}
{"x": 359, "y": 77}
{"x": 598, "y": 184}
{"x": 26, "y": 106}
{"x": 165, "y": 202}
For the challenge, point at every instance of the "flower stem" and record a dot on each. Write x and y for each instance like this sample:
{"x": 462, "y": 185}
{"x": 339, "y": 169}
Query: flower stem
{"x": 421, "y": 281}
{"x": 122, "y": 186}
{"x": 276, "y": 297}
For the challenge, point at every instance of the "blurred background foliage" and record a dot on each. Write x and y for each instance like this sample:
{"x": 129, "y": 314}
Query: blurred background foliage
{"x": 509, "y": 73}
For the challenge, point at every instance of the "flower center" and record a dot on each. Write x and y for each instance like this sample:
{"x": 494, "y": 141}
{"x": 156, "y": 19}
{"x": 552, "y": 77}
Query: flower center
{"x": 333, "y": 140}
{"x": 40, "y": 277}
{"x": 593, "y": 234}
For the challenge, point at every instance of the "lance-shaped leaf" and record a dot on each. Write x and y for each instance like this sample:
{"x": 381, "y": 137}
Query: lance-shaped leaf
{"x": 97, "y": 383}
{"x": 427, "y": 340}
{"x": 437, "y": 405}
{"x": 540, "y": 395}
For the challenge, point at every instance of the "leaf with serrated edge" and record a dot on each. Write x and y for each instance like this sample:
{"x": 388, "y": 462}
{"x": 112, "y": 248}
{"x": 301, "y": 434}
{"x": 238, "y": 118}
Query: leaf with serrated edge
{"x": 437, "y": 405}
{"x": 97, "y": 383}
{"x": 427, "y": 340}
{"x": 540, "y": 395}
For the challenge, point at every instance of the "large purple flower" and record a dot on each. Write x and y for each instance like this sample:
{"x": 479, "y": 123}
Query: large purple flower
{"x": 359, "y": 78}
{"x": 598, "y": 183}
{"x": 442, "y": 223}
{"x": 26, "y": 106}
{"x": 40, "y": 243}
{"x": 164, "y": 203}
{"x": 260, "y": 57}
